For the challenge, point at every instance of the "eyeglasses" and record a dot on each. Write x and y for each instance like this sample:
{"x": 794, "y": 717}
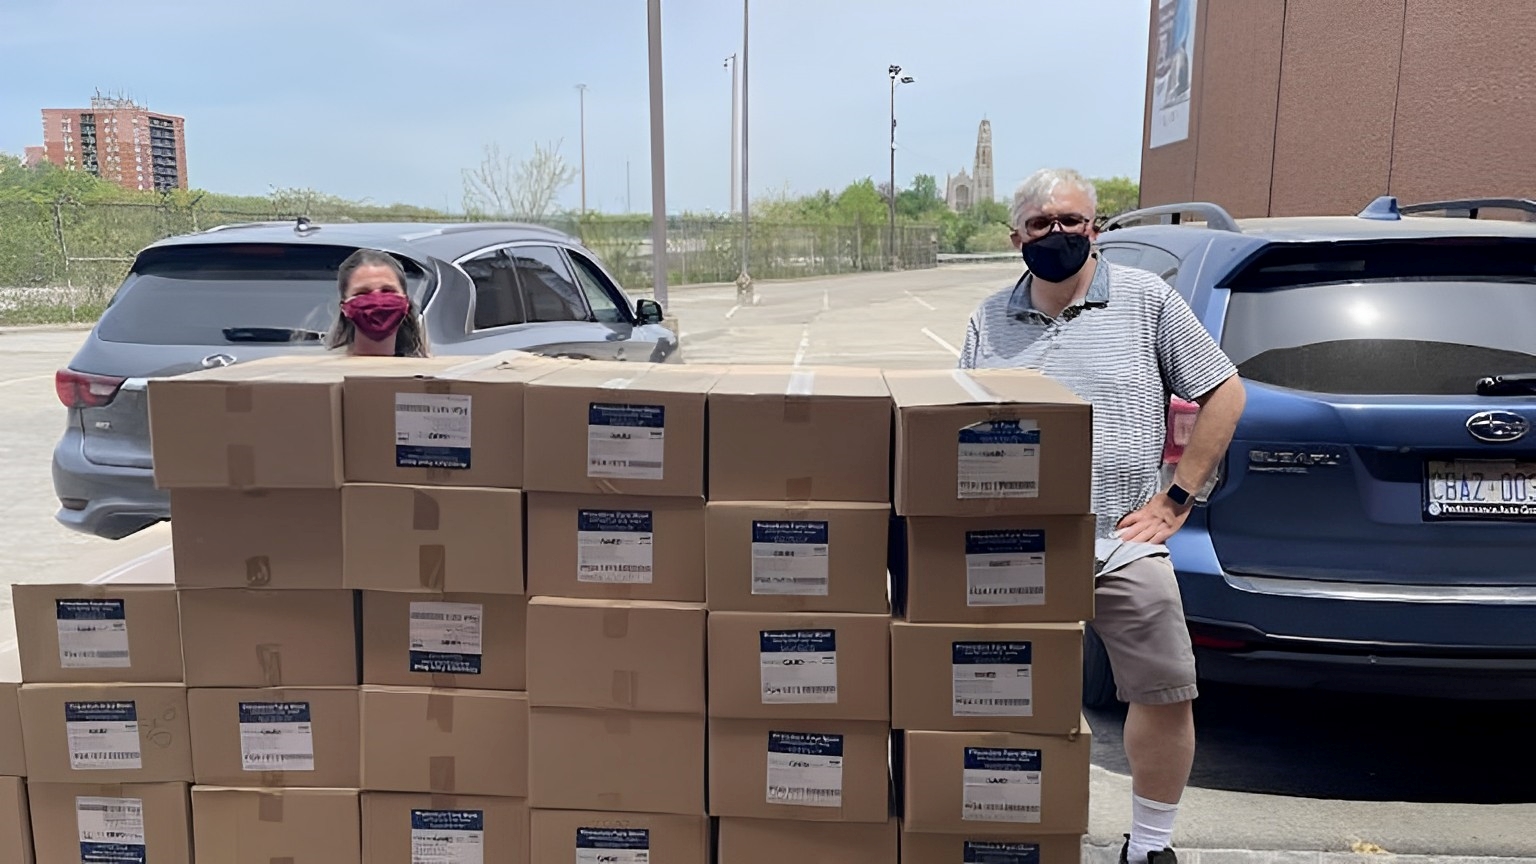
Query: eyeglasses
{"x": 1042, "y": 224}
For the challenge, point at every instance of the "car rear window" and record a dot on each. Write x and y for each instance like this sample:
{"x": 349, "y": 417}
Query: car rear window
{"x": 1429, "y": 317}
{"x": 206, "y": 294}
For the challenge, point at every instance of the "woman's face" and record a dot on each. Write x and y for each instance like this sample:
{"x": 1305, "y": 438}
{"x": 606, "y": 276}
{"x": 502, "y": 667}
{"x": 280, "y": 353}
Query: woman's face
{"x": 370, "y": 278}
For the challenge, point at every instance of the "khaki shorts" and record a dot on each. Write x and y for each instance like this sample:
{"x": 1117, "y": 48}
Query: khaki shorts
{"x": 1139, "y": 616}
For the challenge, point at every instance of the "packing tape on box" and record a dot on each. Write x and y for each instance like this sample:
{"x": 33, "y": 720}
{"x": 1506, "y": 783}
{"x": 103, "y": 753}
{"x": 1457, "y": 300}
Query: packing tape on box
{"x": 611, "y": 801}
{"x": 440, "y": 711}
{"x": 443, "y": 802}
{"x": 270, "y": 780}
{"x": 269, "y": 806}
{"x": 973, "y": 388}
{"x": 800, "y": 383}
{"x": 258, "y": 571}
{"x": 799, "y": 488}
{"x": 436, "y": 387}
{"x": 269, "y": 657}
{"x": 618, "y": 383}
{"x": 240, "y": 465}
{"x": 625, "y": 687}
{"x": 797, "y": 403}
{"x": 432, "y": 562}
{"x": 443, "y": 774}
{"x": 239, "y": 398}
{"x": 426, "y": 515}
{"x": 615, "y": 623}
{"x": 615, "y": 724}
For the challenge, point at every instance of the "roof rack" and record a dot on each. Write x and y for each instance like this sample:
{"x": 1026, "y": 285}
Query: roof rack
{"x": 1470, "y": 206}
{"x": 1214, "y": 215}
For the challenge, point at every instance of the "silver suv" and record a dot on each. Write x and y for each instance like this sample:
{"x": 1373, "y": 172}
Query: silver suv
{"x": 242, "y": 292}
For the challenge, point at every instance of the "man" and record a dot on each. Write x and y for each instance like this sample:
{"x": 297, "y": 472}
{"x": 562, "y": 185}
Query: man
{"x": 1122, "y": 339}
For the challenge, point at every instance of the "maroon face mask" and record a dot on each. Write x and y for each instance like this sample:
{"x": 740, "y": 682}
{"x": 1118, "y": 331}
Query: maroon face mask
{"x": 378, "y": 314}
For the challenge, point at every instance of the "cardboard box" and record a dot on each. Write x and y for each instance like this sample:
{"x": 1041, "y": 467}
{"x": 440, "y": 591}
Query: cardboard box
{"x": 408, "y": 829}
{"x": 583, "y": 835}
{"x": 800, "y": 770}
{"x": 15, "y": 823}
{"x": 996, "y": 783}
{"x": 13, "y": 756}
{"x": 616, "y": 547}
{"x": 770, "y": 841}
{"x": 800, "y": 434}
{"x": 456, "y": 742}
{"x": 445, "y": 640}
{"x": 821, "y": 557}
{"x": 269, "y": 737}
{"x": 452, "y": 421}
{"x": 87, "y": 633}
{"x": 624, "y": 654}
{"x": 990, "y": 442}
{"x": 73, "y": 822}
{"x": 256, "y": 539}
{"x": 617, "y": 429}
{"x": 582, "y": 759}
{"x": 244, "y": 637}
{"x": 996, "y": 570}
{"x": 950, "y": 848}
{"x": 429, "y": 539}
{"x": 106, "y": 733}
{"x": 292, "y": 826}
{"x": 253, "y": 425}
{"x": 810, "y": 665}
{"x": 987, "y": 677}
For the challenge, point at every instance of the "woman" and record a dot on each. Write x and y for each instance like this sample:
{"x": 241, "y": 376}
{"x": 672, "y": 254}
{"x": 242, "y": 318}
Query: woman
{"x": 376, "y": 317}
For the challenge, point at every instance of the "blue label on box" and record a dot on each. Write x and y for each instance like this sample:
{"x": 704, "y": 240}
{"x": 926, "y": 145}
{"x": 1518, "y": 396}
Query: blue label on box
{"x": 999, "y": 432}
{"x": 274, "y": 712}
{"x": 112, "y": 853}
{"x": 805, "y": 743}
{"x": 620, "y": 521}
{"x": 100, "y": 712}
{"x": 784, "y": 641}
{"x": 1010, "y": 541}
{"x": 987, "y": 852}
{"x": 447, "y": 820}
{"x": 613, "y": 838}
{"x": 991, "y": 653}
{"x": 417, "y": 456}
{"x": 1001, "y": 759}
{"x": 802, "y": 533}
{"x": 645, "y": 416}
{"x": 90, "y": 610}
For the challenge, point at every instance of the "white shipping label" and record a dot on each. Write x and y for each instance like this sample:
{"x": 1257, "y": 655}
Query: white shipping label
{"x": 613, "y": 846}
{"x": 992, "y": 679}
{"x": 93, "y": 634}
{"x": 103, "y": 736}
{"x": 1002, "y": 784}
{"x": 805, "y": 769}
{"x": 626, "y": 441}
{"x": 798, "y": 666}
{"x": 276, "y": 736}
{"x": 615, "y": 546}
{"x": 432, "y": 430}
{"x": 1000, "y": 852}
{"x": 111, "y": 830}
{"x": 447, "y": 837}
{"x": 790, "y": 557}
{"x": 1005, "y": 567}
{"x": 1000, "y": 459}
{"x": 446, "y": 638}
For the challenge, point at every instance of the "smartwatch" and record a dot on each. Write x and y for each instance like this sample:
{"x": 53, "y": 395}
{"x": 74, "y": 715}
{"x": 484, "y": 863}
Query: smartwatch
{"x": 1178, "y": 495}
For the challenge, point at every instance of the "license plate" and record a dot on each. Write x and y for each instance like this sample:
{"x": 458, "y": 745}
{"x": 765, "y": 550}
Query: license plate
{"x": 1477, "y": 489}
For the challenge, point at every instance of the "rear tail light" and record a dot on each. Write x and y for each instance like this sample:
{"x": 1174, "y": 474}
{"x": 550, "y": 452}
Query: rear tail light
{"x": 82, "y": 390}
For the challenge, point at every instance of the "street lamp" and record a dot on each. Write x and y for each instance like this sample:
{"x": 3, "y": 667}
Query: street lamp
{"x": 582, "y": 89}
{"x": 730, "y": 63}
{"x": 896, "y": 78}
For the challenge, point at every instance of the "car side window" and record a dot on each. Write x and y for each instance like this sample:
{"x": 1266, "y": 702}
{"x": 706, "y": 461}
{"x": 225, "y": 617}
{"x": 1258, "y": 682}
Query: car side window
{"x": 1164, "y": 264}
{"x": 549, "y": 291}
{"x": 599, "y": 296}
{"x": 498, "y": 298}
{"x": 1121, "y": 253}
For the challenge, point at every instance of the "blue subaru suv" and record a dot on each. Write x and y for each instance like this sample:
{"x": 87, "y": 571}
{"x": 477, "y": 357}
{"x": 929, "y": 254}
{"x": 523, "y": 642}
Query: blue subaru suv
{"x": 1373, "y": 526}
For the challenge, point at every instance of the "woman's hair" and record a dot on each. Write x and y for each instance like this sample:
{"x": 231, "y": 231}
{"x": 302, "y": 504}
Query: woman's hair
{"x": 410, "y": 339}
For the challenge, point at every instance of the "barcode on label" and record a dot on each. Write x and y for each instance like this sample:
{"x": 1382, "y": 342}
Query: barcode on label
{"x": 279, "y": 757}
{"x": 107, "y": 756}
{"x": 414, "y": 409}
{"x": 1008, "y": 808}
{"x": 101, "y": 655}
{"x": 809, "y": 688}
{"x": 805, "y": 792}
{"x": 1022, "y": 589}
{"x": 626, "y": 463}
{"x": 996, "y": 701}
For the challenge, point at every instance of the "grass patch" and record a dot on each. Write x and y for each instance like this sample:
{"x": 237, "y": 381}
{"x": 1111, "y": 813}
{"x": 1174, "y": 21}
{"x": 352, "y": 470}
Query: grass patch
{"x": 24, "y": 307}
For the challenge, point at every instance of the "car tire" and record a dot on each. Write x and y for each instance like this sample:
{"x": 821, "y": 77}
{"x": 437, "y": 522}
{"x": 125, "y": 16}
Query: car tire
{"x": 1098, "y": 677}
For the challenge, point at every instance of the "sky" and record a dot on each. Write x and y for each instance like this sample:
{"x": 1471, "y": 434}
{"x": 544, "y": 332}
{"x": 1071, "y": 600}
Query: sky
{"x": 390, "y": 100}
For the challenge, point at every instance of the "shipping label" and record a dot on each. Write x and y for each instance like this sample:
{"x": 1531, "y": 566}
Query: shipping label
{"x": 111, "y": 830}
{"x": 446, "y": 638}
{"x": 447, "y": 837}
{"x": 103, "y": 736}
{"x": 1002, "y": 784}
{"x": 805, "y": 769}
{"x": 93, "y": 634}
{"x": 991, "y": 852}
{"x": 615, "y": 546}
{"x": 798, "y": 666}
{"x": 432, "y": 430}
{"x": 1005, "y": 568}
{"x": 790, "y": 557}
{"x": 626, "y": 441}
{"x": 613, "y": 846}
{"x": 992, "y": 679}
{"x": 1000, "y": 459}
{"x": 276, "y": 736}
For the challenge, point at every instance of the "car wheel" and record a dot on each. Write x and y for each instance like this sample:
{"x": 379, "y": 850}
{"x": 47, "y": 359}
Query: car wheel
{"x": 1098, "y": 677}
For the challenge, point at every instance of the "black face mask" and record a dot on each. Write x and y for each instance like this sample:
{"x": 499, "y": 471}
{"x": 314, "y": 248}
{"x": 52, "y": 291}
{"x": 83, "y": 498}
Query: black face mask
{"x": 1057, "y": 256}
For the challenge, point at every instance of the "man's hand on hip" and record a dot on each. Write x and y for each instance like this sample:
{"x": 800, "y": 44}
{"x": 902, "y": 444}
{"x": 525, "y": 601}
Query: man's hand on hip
{"x": 1154, "y": 523}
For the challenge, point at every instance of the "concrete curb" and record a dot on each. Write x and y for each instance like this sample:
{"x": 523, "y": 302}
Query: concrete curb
{"x": 1093, "y": 854}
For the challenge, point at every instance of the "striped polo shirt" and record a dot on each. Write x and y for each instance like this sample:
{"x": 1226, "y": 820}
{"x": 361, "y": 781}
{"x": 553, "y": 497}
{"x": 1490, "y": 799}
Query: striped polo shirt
{"x": 1130, "y": 343}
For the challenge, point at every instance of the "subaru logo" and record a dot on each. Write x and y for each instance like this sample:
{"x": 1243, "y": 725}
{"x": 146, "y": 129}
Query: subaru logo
{"x": 1498, "y": 427}
{"x": 215, "y": 361}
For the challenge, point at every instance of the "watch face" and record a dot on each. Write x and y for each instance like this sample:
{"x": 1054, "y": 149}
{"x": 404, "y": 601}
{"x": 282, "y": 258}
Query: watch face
{"x": 1178, "y": 495}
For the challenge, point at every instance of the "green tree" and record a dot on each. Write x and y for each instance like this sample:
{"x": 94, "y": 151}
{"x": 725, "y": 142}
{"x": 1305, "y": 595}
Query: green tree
{"x": 1117, "y": 195}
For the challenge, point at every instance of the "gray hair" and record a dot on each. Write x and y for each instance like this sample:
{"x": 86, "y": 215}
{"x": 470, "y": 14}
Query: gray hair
{"x": 1036, "y": 191}
{"x": 410, "y": 339}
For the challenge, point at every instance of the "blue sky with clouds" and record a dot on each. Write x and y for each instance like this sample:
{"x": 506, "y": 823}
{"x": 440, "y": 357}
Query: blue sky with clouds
{"x": 388, "y": 99}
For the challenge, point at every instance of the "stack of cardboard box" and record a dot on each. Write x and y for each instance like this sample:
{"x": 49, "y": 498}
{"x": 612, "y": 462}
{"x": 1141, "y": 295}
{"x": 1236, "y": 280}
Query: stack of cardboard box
{"x": 15, "y": 818}
{"x": 616, "y": 623}
{"x": 799, "y": 616}
{"x": 995, "y": 577}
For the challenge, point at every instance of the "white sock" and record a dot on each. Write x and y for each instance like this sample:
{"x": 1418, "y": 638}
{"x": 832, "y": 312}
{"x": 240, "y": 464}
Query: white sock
{"x": 1151, "y": 828}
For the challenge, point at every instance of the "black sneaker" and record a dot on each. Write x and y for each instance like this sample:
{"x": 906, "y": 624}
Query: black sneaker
{"x": 1164, "y": 857}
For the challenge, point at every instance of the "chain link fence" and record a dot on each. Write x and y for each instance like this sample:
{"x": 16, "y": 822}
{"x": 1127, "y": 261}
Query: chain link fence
{"x": 60, "y": 261}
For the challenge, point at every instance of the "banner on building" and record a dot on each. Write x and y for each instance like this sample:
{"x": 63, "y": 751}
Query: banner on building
{"x": 1173, "y": 76}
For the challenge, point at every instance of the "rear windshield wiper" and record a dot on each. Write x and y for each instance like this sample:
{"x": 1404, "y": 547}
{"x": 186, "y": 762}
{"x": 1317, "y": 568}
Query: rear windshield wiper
{"x": 1520, "y": 384}
{"x": 272, "y": 334}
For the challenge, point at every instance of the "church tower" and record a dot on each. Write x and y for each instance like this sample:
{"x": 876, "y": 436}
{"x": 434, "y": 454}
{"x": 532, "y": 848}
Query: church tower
{"x": 982, "y": 175}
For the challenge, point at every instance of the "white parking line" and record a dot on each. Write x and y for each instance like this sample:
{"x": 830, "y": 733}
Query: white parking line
{"x": 805, "y": 343}
{"x": 733, "y": 311}
{"x": 826, "y": 300}
{"x": 23, "y": 380}
{"x": 942, "y": 344}
{"x": 923, "y": 303}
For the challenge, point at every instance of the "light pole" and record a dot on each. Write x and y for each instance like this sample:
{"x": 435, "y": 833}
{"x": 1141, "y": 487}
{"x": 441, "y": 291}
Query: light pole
{"x": 582, "y": 90}
{"x": 658, "y": 158}
{"x": 735, "y": 121}
{"x": 896, "y": 78}
{"x": 744, "y": 281}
